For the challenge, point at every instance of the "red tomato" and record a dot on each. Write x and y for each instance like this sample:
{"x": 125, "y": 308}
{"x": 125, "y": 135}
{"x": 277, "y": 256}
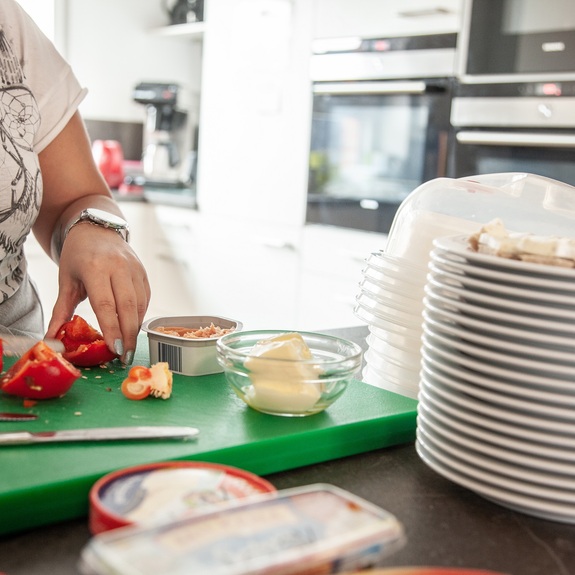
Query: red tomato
{"x": 85, "y": 346}
{"x": 40, "y": 373}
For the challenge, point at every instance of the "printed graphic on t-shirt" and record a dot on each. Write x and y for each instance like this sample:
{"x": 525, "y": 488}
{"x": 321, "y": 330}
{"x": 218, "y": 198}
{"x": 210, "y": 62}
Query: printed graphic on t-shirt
{"x": 20, "y": 181}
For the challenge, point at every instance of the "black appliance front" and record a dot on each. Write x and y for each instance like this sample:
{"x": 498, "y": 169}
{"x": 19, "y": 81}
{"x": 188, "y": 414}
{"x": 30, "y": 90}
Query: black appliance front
{"x": 525, "y": 39}
{"x": 369, "y": 151}
{"x": 514, "y": 128}
{"x": 380, "y": 126}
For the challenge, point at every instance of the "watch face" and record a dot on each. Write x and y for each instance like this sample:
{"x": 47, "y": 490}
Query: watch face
{"x": 105, "y": 218}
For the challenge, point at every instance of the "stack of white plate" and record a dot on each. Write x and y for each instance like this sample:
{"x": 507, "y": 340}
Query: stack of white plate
{"x": 390, "y": 301}
{"x": 496, "y": 410}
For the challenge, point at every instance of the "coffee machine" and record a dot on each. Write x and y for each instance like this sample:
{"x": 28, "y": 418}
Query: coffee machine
{"x": 168, "y": 136}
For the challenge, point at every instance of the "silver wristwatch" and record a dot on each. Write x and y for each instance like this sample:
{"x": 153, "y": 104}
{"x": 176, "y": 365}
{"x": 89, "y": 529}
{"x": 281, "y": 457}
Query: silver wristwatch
{"x": 103, "y": 219}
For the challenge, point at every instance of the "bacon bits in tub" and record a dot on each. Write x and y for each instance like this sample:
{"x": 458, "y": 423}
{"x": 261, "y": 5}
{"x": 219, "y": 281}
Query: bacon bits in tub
{"x": 314, "y": 529}
{"x": 188, "y": 343}
{"x": 164, "y": 491}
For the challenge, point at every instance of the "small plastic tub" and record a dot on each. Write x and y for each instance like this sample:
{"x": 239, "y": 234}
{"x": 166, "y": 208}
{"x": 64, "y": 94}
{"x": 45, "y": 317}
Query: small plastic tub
{"x": 312, "y": 529}
{"x": 165, "y": 491}
{"x": 184, "y": 355}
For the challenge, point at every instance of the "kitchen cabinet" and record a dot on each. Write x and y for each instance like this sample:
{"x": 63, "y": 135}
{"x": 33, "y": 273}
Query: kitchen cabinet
{"x": 255, "y": 111}
{"x": 331, "y": 270}
{"x": 376, "y": 19}
{"x": 247, "y": 272}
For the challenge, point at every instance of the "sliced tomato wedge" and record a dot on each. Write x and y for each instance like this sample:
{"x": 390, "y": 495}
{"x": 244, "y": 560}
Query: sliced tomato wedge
{"x": 40, "y": 373}
{"x": 85, "y": 346}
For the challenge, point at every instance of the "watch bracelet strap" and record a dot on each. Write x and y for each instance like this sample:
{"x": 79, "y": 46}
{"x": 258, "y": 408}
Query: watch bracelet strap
{"x": 60, "y": 234}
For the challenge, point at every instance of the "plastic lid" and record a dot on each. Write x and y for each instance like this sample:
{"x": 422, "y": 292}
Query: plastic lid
{"x": 445, "y": 207}
{"x": 165, "y": 491}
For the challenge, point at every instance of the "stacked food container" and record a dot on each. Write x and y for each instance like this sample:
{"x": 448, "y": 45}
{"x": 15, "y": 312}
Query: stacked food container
{"x": 391, "y": 291}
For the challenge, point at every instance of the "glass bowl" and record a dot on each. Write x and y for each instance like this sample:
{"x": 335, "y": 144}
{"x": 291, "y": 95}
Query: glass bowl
{"x": 278, "y": 381}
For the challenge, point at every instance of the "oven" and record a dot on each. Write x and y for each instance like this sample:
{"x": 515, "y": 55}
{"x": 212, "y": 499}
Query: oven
{"x": 517, "y": 40}
{"x": 514, "y": 101}
{"x": 380, "y": 125}
{"x": 516, "y": 127}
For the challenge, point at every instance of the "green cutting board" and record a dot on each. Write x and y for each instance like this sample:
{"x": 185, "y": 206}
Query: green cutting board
{"x": 41, "y": 484}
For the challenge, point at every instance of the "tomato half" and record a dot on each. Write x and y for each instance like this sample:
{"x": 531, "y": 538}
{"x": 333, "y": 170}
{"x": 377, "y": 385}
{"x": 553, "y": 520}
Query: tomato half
{"x": 85, "y": 346}
{"x": 40, "y": 373}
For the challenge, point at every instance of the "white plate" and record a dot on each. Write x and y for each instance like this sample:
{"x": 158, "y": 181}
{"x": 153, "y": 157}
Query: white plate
{"x": 538, "y": 336}
{"x": 528, "y": 505}
{"x": 542, "y": 441}
{"x": 459, "y": 245}
{"x": 446, "y": 260}
{"x": 451, "y": 378}
{"x": 556, "y": 382}
{"x": 499, "y": 316}
{"x": 529, "y": 453}
{"x": 468, "y": 282}
{"x": 513, "y": 477}
{"x": 496, "y": 301}
{"x": 494, "y": 412}
{"x": 550, "y": 395}
{"x": 522, "y": 365}
{"x": 491, "y": 338}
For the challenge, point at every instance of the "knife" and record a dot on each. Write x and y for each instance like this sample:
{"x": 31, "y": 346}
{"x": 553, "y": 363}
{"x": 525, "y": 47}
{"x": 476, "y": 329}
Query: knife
{"x": 99, "y": 434}
{"x": 20, "y": 344}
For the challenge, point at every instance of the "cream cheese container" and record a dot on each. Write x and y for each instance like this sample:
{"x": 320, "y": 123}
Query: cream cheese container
{"x": 314, "y": 529}
{"x": 165, "y": 491}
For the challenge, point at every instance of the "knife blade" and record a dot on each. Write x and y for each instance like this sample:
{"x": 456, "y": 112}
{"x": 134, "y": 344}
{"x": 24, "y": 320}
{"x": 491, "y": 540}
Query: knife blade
{"x": 15, "y": 416}
{"x": 16, "y": 345}
{"x": 99, "y": 434}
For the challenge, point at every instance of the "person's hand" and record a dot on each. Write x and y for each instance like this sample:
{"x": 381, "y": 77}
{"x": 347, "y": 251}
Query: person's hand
{"x": 98, "y": 264}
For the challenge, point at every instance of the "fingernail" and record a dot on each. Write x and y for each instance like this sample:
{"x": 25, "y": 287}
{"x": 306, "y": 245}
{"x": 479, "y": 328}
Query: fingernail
{"x": 129, "y": 358}
{"x": 118, "y": 346}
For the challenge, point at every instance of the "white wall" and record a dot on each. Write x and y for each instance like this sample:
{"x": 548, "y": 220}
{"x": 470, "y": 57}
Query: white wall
{"x": 111, "y": 46}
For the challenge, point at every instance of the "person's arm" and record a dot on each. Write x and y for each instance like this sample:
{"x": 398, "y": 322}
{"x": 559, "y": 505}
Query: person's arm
{"x": 95, "y": 262}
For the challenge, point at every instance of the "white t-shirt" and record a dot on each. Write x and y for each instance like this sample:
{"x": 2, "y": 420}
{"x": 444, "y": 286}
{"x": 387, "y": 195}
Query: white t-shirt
{"x": 38, "y": 95}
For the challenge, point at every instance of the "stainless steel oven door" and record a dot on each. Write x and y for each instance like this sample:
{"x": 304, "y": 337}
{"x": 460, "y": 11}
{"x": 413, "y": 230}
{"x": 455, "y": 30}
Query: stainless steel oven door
{"x": 372, "y": 143}
{"x": 533, "y": 135}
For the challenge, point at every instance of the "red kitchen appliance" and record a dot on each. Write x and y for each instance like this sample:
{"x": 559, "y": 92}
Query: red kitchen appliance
{"x": 109, "y": 158}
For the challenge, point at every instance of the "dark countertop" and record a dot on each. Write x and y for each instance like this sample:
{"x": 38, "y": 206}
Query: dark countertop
{"x": 445, "y": 524}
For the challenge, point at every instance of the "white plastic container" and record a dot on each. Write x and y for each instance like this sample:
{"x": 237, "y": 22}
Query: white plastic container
{"x": 187, "y": 356}
{"x": 319, "y": 528}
